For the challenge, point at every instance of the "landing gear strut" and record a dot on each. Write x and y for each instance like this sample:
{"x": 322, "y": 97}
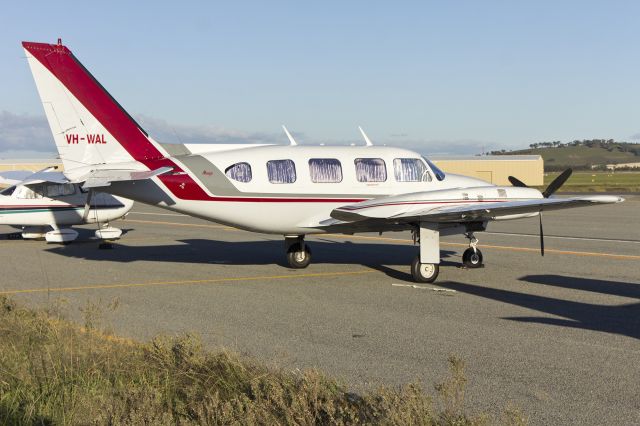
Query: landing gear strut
{"x": 472, "y": 257}
{"x": 298, "y": 253}
{"x": 425, "y": 267}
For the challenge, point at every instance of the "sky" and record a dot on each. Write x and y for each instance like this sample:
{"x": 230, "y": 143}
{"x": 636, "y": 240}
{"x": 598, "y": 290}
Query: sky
{"x": 440, "y": 77}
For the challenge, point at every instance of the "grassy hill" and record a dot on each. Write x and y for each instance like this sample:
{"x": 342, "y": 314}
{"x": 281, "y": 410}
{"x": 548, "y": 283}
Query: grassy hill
{"x": 578, "y": 156}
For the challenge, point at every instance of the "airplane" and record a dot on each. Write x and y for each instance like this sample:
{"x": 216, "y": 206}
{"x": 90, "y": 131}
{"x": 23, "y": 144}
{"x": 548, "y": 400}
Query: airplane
{"x": 291, "y": 190}
{"x": 44, "y": 205}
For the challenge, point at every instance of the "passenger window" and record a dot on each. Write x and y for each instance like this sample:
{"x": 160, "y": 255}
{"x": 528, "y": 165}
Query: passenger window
{"x": 58, "y": 190}
{"x": 411, "y": 170}
{"x": 281, "y": 171}
{"x": 8, "y": 191}
{"x": 325, "y": 170}
{"x": 239, "y": 171}
{"x": 26, "y": 193}
{"x": 371, "y": 170}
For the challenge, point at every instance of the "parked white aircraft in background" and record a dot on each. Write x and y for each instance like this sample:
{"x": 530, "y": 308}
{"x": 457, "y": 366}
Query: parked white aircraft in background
{"x": 44, "y": 205}
{"x": 289, "y": 190}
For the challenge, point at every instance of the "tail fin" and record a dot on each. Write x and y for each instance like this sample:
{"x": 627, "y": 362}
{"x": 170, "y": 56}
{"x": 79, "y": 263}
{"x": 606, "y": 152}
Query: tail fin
{"x": 88, "y": 125}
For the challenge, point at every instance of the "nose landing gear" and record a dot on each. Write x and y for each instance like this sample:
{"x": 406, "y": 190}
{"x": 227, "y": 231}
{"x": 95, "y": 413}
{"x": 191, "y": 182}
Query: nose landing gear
{"x": 472, "y": 257}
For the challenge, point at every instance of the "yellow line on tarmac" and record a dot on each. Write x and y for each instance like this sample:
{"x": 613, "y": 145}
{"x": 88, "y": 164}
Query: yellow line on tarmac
{"x": 403, "y": 241}
{"x": 195, "y": 225}
{"x": 187, "y": 282}
{"x": 565, "y": 252}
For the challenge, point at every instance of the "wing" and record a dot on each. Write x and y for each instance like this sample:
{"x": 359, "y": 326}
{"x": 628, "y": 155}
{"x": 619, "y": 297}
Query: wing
{"x": 14, "y": 177}
{"x": 27, "y": 177}
{"x": 468, "y": 212}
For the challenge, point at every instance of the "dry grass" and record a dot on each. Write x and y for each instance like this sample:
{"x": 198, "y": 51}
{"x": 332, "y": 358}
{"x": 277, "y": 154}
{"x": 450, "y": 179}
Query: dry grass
{"x": 54, "y": 372}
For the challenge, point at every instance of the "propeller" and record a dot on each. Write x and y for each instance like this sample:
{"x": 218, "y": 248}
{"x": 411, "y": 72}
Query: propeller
{"x": 541, "y": 236}
{"x": 551, "y": 189}
{"x": 517, "y": 182}
{"x": 557, "y": 183}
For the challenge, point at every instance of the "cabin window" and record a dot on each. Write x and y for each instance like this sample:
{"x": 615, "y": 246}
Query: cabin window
{"x": 411, "y": 170}
{"x": 439, "y": 173}
{"x": 8, "y": 191}
{"x": 371, "y": 170}
{"x": 281, "y": 171}
{"x": 27, "y": 193}
{"x": 59, "y": 189}
{"x": 325, "y": 170}
{"x": 239, "y": 171}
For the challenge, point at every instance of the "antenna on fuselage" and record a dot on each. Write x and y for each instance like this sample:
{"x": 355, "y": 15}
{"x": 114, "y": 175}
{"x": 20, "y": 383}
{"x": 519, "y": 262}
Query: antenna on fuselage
{"x": 367, "y": 141}
{"x": 292, "y": 141}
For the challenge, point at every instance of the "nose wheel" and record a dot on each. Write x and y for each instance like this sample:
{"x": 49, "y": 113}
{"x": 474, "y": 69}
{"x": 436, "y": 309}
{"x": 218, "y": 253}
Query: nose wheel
{"x": 472, "y": 257}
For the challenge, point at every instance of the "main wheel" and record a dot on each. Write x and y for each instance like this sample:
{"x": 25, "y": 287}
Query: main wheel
{"x": 424, "y": 272}
{"x": 472, "y": 258}
{"x": 297, "y": 257}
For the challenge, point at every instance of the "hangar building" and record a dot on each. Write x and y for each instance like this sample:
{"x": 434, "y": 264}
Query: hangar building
{"x": 496, "y": 169}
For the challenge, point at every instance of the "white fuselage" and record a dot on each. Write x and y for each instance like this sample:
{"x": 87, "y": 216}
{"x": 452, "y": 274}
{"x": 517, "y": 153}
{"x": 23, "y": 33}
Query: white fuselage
{"x": 303, "y": 205}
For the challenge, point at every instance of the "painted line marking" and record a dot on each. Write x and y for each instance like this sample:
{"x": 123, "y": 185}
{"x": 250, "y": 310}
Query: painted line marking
{"x": 194, "y": 225}
{"x": 421, "y": 287}
{"x": 186, "y": 282}
{"x": 562, "y": 237}
{"x": 159, "y": 214}
{"x": 403, "y": 241}
{"x": 527, "y": 249}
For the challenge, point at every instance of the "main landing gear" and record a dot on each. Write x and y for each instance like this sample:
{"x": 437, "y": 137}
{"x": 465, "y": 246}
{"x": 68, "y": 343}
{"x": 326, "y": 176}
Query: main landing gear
{"x": 472, "y": 257}
{"x": 298, "y": 253}
{"x": 424, "y": 272}
{"x": 425, "y": 267}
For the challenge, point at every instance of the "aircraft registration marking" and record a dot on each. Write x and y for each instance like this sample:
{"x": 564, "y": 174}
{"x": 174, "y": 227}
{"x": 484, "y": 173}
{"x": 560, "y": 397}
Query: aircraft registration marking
{"x": 90, "y": 139}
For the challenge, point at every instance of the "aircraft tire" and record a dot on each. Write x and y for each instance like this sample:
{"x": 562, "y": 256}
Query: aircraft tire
{"x": 424, "y": 272}
{"x": 298, "y": 258}
{"x": 472, "y": 259}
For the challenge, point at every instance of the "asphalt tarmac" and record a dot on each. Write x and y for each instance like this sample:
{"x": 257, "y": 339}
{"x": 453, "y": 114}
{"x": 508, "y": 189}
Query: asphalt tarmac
{"x": 558, "y": 336}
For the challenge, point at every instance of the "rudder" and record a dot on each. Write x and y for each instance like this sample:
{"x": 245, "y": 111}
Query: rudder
{"x": 88, "y": 125}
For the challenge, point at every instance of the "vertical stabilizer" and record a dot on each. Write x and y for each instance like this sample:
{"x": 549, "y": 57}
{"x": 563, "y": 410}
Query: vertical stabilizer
{"x": 88, "y": 125}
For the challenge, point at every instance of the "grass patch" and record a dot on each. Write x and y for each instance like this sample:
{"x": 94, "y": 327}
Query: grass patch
{"x": 598, "y": 182}
{"x": 55, "y": 372}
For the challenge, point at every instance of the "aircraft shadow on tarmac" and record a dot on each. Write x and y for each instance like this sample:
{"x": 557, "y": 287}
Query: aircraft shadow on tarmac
{"x": 266, "y": 252}
{"x": 623, "y": 319}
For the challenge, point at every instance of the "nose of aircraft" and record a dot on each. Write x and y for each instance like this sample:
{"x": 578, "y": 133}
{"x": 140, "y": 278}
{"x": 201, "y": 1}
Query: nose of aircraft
{"x": 465, "y": 181}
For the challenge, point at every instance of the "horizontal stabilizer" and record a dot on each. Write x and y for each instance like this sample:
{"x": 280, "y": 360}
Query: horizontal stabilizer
{"x": 104, "y": 177}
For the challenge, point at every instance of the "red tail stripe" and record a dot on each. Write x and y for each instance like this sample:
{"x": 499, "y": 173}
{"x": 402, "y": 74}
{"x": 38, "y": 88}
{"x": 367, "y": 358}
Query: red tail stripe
{"x": 64, "y": 66}
{"x": 76, "y": 78}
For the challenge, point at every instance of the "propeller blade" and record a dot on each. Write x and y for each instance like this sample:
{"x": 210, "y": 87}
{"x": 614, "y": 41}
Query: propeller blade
{"x": 517, "y": 182}
{"x": 557, "y": 183}
{"x": 541, "y": 236}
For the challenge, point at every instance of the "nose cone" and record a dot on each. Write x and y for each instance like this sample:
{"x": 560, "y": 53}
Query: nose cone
{"x": 465, "y": 181}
